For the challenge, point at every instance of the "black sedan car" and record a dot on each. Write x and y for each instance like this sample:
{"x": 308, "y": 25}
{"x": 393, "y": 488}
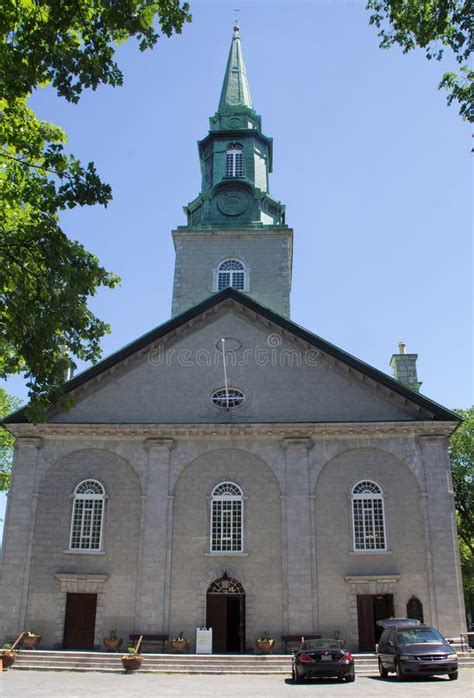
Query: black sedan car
{"x": 323, "y": 659}
{"x": 415, "y": 650}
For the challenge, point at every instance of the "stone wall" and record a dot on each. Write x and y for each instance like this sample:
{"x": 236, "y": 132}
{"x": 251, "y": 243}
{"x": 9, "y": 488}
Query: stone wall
{"x": 298, "y": 566}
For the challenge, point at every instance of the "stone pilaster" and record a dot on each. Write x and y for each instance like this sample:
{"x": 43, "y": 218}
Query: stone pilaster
{"x": 153, "y": 601}
{"x": 447, "y": 604}
{"x": 18, "y": 535}
{"x": 298, "y": 546}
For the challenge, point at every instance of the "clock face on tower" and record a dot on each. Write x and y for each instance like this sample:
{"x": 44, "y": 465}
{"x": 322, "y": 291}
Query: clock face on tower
{"x": 233, "y": 201}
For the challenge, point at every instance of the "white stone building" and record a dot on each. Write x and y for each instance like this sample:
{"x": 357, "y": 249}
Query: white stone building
{"x": 270, "y": 481}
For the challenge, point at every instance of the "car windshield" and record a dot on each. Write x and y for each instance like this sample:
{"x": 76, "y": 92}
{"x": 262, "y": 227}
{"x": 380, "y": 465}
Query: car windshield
{"x": 387, "y": 622}
{"x": 415, "y": 636}
{"x": 321, "y": 645}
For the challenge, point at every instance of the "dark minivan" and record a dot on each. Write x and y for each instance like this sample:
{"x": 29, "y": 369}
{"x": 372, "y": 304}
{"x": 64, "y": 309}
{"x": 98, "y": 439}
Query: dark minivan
{"x": 415, "y": 650}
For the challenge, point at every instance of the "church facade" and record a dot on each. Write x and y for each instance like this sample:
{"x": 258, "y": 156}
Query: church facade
{"x": 230, "y": 469}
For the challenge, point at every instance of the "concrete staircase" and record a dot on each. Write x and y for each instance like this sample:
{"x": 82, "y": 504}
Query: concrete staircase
{"x": 184, "y": 663}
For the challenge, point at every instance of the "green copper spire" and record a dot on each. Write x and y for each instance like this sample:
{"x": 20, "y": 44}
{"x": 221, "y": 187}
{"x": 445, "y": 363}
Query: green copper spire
{"x": 235, "y": 88}
{"x": 236, "y": 159}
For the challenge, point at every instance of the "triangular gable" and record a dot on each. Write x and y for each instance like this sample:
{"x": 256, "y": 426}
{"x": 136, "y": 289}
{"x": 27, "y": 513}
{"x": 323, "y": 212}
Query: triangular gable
{"x": 160, "y": 333}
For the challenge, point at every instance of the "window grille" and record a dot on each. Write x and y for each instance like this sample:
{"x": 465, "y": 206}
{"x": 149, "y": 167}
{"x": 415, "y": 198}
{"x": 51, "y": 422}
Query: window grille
{"x": 229, "y": 586}
{"x": 87, "y": 516}
{"x": 232, "y": 397}
{"x": 226, "y": 518}
{"x": 231, "y": 273}
{"x": 368, "y": 516}
{"x": 234, "y": 160}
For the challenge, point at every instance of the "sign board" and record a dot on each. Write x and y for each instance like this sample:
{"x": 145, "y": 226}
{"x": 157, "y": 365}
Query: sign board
{"x": 203, "y": 640}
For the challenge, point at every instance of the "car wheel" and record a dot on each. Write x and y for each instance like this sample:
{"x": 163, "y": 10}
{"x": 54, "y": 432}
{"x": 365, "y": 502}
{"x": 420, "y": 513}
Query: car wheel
{"x": 382, "y": 670}
{"x": 399, "y": 670}
{"x": 296, "y": 678}
{"x": 453, "y": 676}
{"x": 351, "y": 677}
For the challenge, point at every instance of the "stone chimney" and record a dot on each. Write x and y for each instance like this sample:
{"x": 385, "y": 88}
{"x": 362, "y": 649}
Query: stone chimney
{"x": 403, "y": 367}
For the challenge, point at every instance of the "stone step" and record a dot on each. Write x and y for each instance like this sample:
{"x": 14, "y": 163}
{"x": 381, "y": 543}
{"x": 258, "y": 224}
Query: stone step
{"x": 49, "y": 660}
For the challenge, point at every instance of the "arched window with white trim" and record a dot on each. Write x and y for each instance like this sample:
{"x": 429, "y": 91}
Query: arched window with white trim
{"x": 227, "y": 518}
{"x": 234, "y": 160}
{"x": 231, "y": 272}
{"x": 368, "y": 516}
{"x": 87, "y": 516}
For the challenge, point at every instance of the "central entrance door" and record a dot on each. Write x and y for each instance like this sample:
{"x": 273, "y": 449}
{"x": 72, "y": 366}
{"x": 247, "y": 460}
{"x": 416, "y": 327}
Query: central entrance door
{"x": 79, "y": 624}
{"x": 225, "y": 614}
{"x": 370, "y": 609}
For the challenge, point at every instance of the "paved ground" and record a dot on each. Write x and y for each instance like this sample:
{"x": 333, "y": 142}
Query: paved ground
{"x": 77, "y": 685}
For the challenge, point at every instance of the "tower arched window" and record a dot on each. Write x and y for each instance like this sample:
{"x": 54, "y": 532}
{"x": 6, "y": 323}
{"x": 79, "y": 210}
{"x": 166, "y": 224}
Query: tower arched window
{"x": 234, "y": 160}
{"x": 227, "y": 518}
{"x": 368, "y": 516}
{"x": 231, "y": 273}
{"x": 87, "y": 516}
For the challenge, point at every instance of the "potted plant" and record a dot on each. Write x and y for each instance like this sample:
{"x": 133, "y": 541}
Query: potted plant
{"x": 8, "y": 656}
{"x": 179, "y": 643}
{"x": 264, "y": 643}
{"x": 132, "y": 661}
{"x": 113, "y": 642}
{"x": 30, "y": 640}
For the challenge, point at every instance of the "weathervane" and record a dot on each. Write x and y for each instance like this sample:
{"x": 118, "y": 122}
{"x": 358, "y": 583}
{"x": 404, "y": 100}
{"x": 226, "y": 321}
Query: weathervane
{"x": 236, "y": 20}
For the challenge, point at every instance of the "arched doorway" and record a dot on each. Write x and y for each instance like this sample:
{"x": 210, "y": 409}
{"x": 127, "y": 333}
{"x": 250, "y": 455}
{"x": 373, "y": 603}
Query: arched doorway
{"x": 225, "y": 614}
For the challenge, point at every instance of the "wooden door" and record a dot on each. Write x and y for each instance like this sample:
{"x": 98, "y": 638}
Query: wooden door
{"x": 365, "y": 618}
{"x": 370, "y": 609}
{"x": 79, "y": 624}
{"x": 242, "y": 623}
{"x": 216, "y": 618}
{"x": 226, "y": 616}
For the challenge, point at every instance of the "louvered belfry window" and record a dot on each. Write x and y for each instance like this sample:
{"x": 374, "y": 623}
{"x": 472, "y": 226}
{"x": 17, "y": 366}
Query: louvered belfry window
{"x": 368, "y": 516}
{"x": 87, "y": 516}
{"x": 227, "y": 518}
{"x": 234, "y": 160}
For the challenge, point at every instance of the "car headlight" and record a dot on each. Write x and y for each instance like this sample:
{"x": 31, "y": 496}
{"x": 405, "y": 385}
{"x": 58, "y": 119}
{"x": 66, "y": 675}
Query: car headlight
{"x": 407, "y": 657}
{"x": 452, "y": 655}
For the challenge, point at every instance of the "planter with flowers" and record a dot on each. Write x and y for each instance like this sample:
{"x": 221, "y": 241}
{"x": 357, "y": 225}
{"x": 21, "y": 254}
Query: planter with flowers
{"x": 132, "y": 661}
{"x": 113, "y": 642}
{"x": 265, "y": 643}
{"x": 179, "y": 643}
{"x": 8, "y": 656}
{"x": 30, "y": 640}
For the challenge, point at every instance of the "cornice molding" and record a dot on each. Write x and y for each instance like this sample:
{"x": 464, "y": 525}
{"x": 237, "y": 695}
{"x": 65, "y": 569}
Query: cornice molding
{"x": 279, "y": 431}
{"x": 364, "y": 578}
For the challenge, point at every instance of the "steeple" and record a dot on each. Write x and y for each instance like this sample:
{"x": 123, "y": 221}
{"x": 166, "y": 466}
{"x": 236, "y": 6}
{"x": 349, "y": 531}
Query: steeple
{"x": 235, "y": 88}
{"x": 236, "y": 158}
{"x": 236, "y": 233}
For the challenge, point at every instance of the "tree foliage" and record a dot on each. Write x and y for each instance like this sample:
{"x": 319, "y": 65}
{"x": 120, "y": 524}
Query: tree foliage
{"x": 435, "y": 26}
{"x": 46, "y": 279}
{"x": 461, "y": 451}
{"x": 8, "y": 403}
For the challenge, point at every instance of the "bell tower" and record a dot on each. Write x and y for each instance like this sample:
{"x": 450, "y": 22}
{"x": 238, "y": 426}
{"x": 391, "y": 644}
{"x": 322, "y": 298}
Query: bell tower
{"x": 236, "y": 233}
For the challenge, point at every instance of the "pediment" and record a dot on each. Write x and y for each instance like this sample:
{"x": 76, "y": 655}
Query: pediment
{"x": 285, "y": 373}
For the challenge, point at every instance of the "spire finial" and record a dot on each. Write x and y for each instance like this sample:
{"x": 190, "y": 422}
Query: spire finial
{"x": 236, "y": 22}
{"x": 235, "y": 92}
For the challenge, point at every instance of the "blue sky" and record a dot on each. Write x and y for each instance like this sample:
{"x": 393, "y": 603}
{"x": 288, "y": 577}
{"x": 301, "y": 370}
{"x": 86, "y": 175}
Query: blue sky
{"x": 372, "y": 165}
